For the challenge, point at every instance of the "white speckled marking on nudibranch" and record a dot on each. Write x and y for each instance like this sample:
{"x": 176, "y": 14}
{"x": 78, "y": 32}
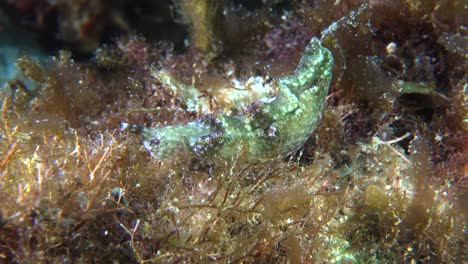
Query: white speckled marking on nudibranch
{"x": 266, "y": 129}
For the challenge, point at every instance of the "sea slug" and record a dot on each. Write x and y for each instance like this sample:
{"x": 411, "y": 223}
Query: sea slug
{"x": 265, "y": 130}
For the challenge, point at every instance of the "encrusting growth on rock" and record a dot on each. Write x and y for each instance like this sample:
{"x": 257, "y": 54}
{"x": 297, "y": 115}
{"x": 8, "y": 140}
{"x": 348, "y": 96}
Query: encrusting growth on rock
{"x": 266, "y": 129}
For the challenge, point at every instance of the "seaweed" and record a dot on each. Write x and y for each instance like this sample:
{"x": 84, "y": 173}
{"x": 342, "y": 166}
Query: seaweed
{"x": 382, "y": 178}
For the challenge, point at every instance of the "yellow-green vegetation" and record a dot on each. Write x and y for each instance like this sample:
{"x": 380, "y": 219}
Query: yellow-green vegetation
{"x": 56, "y": 195}
{"x": 382, "y": 179}
{"x": 58, "y": 202}
{"x": 52, "y": 182}
{"x": 204, "y": 18}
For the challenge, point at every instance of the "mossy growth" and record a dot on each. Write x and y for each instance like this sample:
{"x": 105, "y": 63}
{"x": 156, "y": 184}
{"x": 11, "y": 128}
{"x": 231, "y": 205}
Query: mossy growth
{"x": 75, "y": 188}
{"x": 59, "y": 192}
{"x": 205, "y": 20}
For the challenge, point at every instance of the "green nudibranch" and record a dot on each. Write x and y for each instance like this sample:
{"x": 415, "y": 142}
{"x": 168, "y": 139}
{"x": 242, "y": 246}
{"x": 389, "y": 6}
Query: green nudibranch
{"x": 266, "y": 129}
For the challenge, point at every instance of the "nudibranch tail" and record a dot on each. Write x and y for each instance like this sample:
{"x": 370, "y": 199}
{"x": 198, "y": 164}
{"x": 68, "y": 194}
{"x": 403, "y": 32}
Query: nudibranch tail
{"x": 266, "y": 129}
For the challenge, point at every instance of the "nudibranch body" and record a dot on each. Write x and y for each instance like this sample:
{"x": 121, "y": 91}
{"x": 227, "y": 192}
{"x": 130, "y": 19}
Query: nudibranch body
{"x": 266, "y": 129}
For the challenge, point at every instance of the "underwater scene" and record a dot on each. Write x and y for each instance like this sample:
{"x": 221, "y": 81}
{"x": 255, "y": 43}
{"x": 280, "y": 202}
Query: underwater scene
{"x": 234, "y": 131}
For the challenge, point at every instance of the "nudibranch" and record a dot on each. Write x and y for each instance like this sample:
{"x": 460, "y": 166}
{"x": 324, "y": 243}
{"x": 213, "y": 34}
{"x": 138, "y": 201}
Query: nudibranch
{"x": 265, "y": 130}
